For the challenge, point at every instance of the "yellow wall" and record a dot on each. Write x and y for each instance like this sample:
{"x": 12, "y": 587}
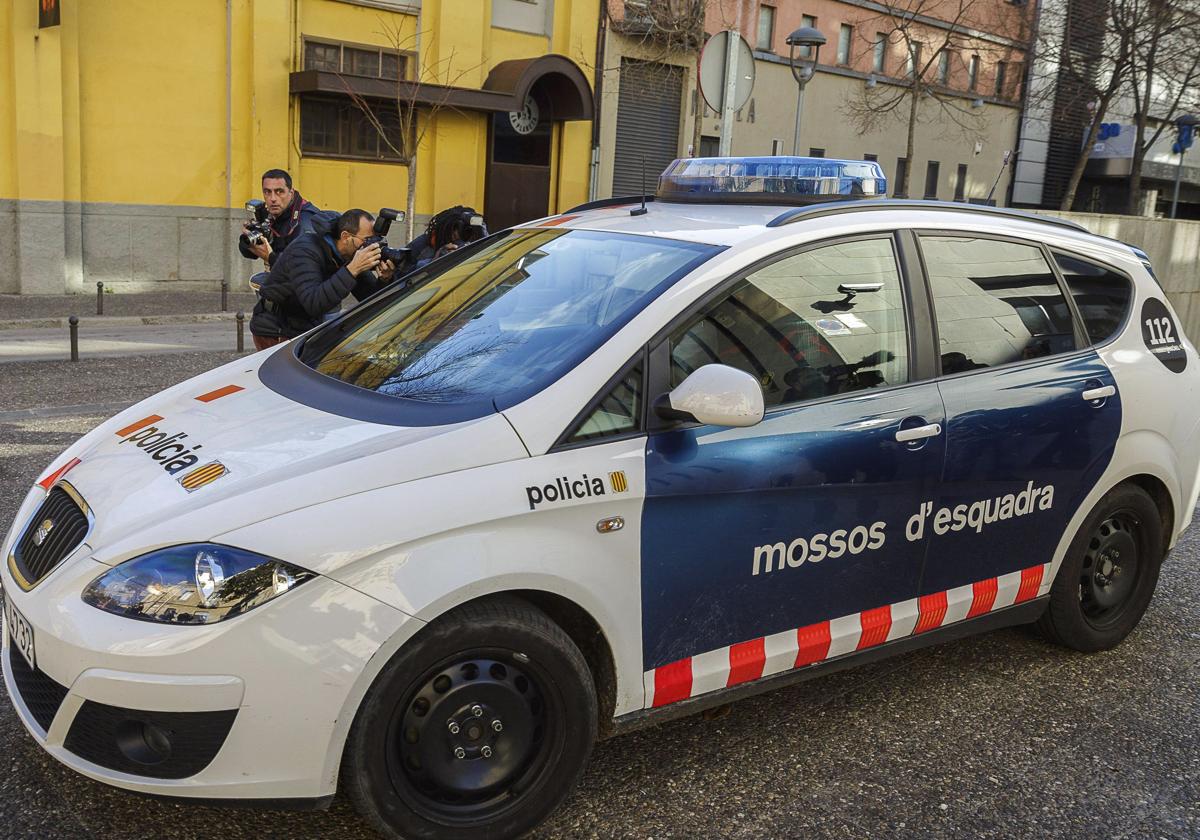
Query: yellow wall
{"x": 126, "y": 102}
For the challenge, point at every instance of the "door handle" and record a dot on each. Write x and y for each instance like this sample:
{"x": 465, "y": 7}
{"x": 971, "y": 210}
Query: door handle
{"x": 919, "y": 433}
{"x": 1099, "y": 393}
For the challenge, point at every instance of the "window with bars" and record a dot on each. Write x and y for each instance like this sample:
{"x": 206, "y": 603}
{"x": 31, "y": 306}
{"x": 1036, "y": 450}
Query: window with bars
{"x": 353, "y": 60}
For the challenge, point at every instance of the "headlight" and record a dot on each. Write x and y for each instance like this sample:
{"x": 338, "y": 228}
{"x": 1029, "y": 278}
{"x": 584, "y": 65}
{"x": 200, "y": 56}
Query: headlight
{"x": 192, "y": 584}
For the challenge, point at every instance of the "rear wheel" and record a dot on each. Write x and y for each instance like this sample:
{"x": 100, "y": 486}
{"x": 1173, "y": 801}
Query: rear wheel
{"x": 479, "y": 727}
{"x": 1109, "y": 573}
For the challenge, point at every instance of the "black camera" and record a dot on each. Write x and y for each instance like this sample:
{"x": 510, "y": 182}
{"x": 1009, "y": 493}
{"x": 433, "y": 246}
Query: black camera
{"x": 383, "y": 223}
{"x": 258, "y": 229}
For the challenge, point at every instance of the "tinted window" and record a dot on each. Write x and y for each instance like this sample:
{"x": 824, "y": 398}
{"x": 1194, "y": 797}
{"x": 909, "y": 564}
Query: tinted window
{"x": 996, "y": 302}
{"x": 1101, "y": 295}
{"x": 505, "y": 322}
{"x": 618, "y": 412}
{"x": 823, "y": 322}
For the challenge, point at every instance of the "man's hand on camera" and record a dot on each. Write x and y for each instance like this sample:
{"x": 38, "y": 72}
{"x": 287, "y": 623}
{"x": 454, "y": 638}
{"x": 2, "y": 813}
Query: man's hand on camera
{"x": 386, "y": 269}
{"x": 261, "y": 249}
{"x": 364, "y": 259}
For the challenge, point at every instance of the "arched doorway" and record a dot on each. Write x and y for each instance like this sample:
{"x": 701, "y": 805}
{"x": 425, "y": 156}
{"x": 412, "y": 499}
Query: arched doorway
{"x": 520, "y": 161}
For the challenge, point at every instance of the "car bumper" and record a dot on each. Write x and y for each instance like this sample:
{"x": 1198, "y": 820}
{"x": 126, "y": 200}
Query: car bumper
{"x": 256, "y": 707}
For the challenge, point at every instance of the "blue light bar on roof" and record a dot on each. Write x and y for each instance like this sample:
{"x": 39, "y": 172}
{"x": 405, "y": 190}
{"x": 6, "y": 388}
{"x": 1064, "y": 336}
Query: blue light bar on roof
{"x": 770, "y": 180}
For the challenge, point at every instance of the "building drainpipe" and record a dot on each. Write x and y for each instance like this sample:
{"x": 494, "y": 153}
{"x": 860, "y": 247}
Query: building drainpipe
{"x": 597, "y": 86}
{"x": 227, "y": 270}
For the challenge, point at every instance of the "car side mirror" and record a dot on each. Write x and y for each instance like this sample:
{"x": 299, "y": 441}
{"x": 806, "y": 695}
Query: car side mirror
{"x": 715, "y": 395}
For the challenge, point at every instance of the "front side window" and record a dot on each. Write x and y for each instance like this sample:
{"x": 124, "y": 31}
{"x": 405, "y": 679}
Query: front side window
{"x": 822, "y": 322}
{"x": 996, "y": 302}
{"x": 500, "y": 325}
{"x": 1101, "y": 295}
{"x": 619, "y": 411}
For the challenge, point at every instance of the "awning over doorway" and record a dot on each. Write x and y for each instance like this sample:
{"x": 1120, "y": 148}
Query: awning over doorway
{"x": 553, "y": 77}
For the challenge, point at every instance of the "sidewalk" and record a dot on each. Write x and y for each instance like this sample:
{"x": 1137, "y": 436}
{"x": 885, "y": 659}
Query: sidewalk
{"x": 165, "y": 307}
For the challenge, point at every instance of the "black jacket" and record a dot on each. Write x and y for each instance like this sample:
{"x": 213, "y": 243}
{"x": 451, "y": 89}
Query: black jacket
{"x": 296, "y": 219}
{"x": 308, "y": 280}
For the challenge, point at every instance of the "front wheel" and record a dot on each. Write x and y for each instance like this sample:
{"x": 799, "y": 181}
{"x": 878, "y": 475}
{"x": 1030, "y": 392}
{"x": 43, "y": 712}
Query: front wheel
{"x": 1109, "y": 573}
{"x": 478, "y": 727}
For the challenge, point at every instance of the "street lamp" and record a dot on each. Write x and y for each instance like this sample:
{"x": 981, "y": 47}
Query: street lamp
{"x": 803, "y": 67}
{"x": 1187, "y": 128}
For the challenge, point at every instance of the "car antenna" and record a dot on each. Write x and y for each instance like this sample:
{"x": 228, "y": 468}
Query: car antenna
{"x": 641, "y": 211}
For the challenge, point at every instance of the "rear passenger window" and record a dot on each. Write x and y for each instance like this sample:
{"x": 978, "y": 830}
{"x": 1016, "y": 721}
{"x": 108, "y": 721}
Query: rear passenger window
{"x": 1101, "y": 295}
{"x": 996, "y": 302}
{"x": 825, "y": 321}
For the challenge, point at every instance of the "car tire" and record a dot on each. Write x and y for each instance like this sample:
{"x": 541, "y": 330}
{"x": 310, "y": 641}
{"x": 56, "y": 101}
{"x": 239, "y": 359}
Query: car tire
{"x": 1109, "y": 573}
{"x": 478, "y": 727}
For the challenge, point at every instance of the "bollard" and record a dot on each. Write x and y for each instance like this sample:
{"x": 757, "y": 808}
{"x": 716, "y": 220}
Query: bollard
{"x": 224, "y": 296}
{"x": 74, "y": 322}
{"x": 241, "y": 325}
{"x": 100, "y": 298}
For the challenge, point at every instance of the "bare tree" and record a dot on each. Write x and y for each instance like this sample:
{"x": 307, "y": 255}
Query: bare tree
{"x": 406, "y": 116}
{"x": 925, "y": 47}
{"x": 1164, "y": 69}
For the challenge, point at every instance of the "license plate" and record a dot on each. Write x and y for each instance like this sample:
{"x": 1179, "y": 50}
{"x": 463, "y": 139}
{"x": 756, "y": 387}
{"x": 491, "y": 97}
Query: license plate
{"x": 20, "y": 633}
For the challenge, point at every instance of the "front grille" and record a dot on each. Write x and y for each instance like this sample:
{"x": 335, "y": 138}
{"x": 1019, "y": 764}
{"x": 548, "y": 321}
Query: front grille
{"x": 115, "y": 738}
{"x": 41, "y": 695}
{"x": 69, "y": 527}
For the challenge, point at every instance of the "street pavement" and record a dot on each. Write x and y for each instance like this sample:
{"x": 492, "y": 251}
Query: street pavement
{"x": 121, "y": 337}
{"x": 996, "y": 736}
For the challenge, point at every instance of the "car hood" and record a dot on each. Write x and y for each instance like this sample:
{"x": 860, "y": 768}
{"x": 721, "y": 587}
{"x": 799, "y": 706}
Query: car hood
{"x": 222, "y": 451}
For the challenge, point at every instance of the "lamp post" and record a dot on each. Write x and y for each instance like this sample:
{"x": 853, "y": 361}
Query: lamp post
{"x": 803, "y": 68}
{"x": 1187, "y": 128}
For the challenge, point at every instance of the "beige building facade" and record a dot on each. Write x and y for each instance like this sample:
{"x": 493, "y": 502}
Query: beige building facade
{"x": 967, "y": 115}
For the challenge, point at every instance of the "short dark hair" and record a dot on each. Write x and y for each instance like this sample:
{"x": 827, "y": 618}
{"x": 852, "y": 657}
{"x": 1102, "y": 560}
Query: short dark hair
{"x": 278, "y": 173}
{"x": 350, "y": 220}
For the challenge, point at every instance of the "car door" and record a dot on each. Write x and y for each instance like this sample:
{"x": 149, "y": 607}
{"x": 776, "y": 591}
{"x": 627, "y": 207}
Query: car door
{"x": 782, "y": 544}
{"x": 1032, "y": 419}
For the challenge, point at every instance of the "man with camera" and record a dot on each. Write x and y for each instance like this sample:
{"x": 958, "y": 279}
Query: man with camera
{"x": 315, "y": 273}
{"x": 287, "y": 215}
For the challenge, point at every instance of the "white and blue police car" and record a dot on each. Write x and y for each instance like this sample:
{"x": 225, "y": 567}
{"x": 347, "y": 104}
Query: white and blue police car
{"x": 597, "y": 470}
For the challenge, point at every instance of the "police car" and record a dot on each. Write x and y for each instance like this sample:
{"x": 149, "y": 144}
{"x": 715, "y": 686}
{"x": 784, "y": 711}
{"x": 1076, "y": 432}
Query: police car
{"x": 598, "y": 470}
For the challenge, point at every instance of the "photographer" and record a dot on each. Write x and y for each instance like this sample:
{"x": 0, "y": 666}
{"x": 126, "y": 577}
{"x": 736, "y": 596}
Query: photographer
{"x": 289, "y": 216}
{"x": 447, "y": 231}
{"x": 316, "y": 272}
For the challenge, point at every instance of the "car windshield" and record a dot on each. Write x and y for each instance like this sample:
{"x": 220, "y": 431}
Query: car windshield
{"x": 504, "y": 322}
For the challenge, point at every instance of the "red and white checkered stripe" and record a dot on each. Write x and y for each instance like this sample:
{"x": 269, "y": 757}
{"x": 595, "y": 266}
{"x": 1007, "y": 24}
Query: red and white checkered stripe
{"x": 825, "y": 640}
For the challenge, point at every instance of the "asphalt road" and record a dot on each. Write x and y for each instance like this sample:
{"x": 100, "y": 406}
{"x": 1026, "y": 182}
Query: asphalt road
{"x": 999, "y": 735}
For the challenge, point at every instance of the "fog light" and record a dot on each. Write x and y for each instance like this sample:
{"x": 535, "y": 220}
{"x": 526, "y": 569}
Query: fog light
{"x": 143, "y": 743}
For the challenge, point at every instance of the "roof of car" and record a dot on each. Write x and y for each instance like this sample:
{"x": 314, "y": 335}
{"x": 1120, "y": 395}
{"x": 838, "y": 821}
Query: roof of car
{"x": 731, "y": 224}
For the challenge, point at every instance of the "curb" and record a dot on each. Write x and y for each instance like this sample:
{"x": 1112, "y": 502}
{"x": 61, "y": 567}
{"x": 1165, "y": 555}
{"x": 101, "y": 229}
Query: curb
{"x": 116, "y": 321}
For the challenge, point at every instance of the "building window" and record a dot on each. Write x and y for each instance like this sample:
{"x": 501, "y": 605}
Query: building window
{"x": 1001, "y": 68}
{"x": 960, "y": 184}
{"x": 869, "y": 156}
{"x": 814, "y": 151}
{"x": 766, "y": 27}
{"x": 931, "y": 179}
{"x": 900, "y": 190}
{"x": 845, "y": 35}
{"x": 710, "y": 146}
{"x": 944, "y": 67}
{"x": 973, "y": 72}
{"x": 374, "y": 62}
{"x": 339, "y": 128}
{"x": 807, "y": 20}
{"x": 915, "y": 49}
{"x": 879, "y": 57}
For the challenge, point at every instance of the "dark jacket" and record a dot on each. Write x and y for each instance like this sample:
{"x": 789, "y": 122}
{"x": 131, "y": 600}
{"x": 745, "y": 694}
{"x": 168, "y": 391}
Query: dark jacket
{"x": 308, "y": 280}
{"x": 297, "y": 218}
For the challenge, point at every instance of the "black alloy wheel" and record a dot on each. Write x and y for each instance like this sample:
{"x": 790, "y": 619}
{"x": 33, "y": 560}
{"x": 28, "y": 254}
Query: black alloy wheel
{"x": 1109, "y": 573}
{"x": 478, "y": 727}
